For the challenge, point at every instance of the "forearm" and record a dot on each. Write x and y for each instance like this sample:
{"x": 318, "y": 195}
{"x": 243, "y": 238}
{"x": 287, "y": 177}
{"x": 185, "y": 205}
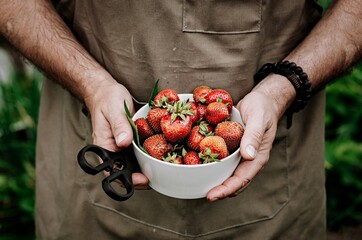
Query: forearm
{"x": 38, "y": 32}
{"x": 332, "y": 47}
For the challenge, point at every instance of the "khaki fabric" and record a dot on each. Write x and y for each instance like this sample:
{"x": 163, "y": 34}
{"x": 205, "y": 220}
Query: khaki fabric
{"x": 184, "y": 44}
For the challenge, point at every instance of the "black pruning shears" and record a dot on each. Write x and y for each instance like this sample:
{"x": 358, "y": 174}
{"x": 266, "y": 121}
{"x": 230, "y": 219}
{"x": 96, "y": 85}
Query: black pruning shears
{"x": 114, "y": 163}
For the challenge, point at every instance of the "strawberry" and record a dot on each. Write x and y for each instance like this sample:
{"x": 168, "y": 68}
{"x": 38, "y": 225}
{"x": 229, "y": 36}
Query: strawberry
{"x": 200, "y": 92}
{"x": 201, "y": 111}
{"x": 166, "y": 96}
{"x": 216, "y": 112}
{"x": 173, "y": 158}
{"x": 195, "y": 116}
{"x": 220, "y": 95}
{"x": 157, "y": 146}
{"x": 144, "y": 129}
{"x": 197, "y": 134}
{"x": 231, "y": 132}
{"x": 177, "y": 124}
{"x": 175, "y": 130}
{"x": 192, "y": 158}
{"x": 154, "y": 117}
{"x": 213, "y": 148}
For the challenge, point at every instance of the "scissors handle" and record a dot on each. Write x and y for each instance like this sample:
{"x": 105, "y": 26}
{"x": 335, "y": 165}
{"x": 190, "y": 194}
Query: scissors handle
{"x": 110, "y": 159}
{"x": 107, "y": 157}
{"x": 125, "y": 178}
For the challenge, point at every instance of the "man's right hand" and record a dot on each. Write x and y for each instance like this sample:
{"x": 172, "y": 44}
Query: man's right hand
{"x": 111, "y": 129}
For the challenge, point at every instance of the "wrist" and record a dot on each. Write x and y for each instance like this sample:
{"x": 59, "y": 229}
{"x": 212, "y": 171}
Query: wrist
{"x": 104, "y": 89}
{"x": 94, "y": 82}
{"x": 279, "y": 89}
{"x": 296, "y": 76}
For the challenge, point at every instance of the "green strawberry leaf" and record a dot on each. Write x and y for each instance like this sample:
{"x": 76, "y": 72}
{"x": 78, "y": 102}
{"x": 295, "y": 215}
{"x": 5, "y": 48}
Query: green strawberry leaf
{"x": 134, "y": 128}
{"x": 183, "y": 152}
{"x": 209, "y": 157}
{"x": 153, "y": 94}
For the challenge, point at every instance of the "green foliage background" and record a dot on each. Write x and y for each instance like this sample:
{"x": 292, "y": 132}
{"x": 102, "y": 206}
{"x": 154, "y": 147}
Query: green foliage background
{"x": 344, "y": 151}
{"x": 344, "y": 148}
{"x": 19, "y": 101}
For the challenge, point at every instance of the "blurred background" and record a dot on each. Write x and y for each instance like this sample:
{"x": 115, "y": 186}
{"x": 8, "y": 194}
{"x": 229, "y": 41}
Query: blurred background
{"x": 20, "y": 85}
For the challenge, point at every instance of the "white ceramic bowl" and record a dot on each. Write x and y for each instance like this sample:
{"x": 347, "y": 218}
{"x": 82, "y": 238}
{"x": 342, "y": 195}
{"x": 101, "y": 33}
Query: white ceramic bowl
{"x": 185, "y": 181}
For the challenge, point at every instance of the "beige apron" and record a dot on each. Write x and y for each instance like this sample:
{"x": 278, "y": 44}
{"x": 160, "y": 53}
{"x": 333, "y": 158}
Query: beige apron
{"x": 184, "y": 43}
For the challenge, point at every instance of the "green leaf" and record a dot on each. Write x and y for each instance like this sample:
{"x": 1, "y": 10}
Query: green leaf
{"x": 184, "y": 152}
{"x": 153, "y": 94}
{"x": 134, "y": 127}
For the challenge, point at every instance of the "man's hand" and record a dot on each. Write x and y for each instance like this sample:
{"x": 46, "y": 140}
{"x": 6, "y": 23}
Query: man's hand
{"x": 261, "y": 123}
{"x": 111, "y": 129}
{"x": 261, "y": 110}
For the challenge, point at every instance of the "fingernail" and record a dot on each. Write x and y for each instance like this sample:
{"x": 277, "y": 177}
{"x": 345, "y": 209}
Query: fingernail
{"x": 250, "y": 150}
{"x": 122, "y": 136}
{"x": 213, "y": 199}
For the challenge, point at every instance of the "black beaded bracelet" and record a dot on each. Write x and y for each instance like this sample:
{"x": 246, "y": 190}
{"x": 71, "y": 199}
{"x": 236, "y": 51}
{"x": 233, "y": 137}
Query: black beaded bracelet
{"x": 296, "y": 76}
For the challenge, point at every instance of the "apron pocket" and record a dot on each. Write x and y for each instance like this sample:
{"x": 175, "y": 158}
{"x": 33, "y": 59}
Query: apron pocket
{"x": 221, "y": 17}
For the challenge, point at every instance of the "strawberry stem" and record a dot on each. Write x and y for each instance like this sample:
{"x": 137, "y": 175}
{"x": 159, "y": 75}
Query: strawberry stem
{"x": 208, "y": 156}
{"x": 180, "y": 109}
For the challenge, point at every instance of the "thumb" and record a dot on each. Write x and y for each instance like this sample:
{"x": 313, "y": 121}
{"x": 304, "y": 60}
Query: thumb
{"x": 122, "y": 131}
{"x": 252, "y": 138}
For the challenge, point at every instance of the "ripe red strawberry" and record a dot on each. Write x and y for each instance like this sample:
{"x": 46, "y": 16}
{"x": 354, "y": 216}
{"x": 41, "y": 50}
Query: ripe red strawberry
{"x": 144, "y": 129}
{"x": 216, "y": 112}
{"x": 154, "y": 117}
{"x": 192, "y": 158}
{"x": 173, "y": 158}
{"x": 220, "y": 95}
{"x": 195, "y": 116}
{"x": 176, "y": 130}
{"x": 164, "y": 97}
{"x": 231, "y": 132}
{"x": 157, "y": 146}
{"x": 198, "y": 133}
{"x": 201, "y": 111}
{"x": 200, "y": 93}
{"x": 177, "y": 124}
{"x": 213, "y": 148}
